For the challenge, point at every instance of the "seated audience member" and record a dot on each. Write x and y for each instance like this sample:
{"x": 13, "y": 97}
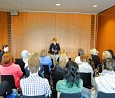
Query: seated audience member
{"x": 106, "y": 80}
{"x": 89, "y": 60}
{"x": 71, "y": 82}
{"x": 58, "y": 73}
{"x": 112, "y": 53}
{"x": 25, "y": 55}
{"x": 80, "y": 54}
{"x": 5, "y": 88}
{"x": 23, "y": 62}
{"x": 5, "y": 49}
{"x": 95, "y": 57}
{"x": 8, "y": 67}
{"x": 44, "y": 60}
{"x": 85, "y": 67}
{"x": 34, "y": 85}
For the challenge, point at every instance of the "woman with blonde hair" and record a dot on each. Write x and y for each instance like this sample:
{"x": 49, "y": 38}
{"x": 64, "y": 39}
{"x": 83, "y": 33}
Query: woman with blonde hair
{"x": 44, "y": 61}
{"x": 58, "y": 73}
{"x": 95, "y": 57}
{"x": 8, "y": 67}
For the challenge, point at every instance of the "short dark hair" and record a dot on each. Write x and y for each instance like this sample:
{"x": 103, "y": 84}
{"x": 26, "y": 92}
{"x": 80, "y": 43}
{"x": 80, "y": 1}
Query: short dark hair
{"x": 3, "y": 46}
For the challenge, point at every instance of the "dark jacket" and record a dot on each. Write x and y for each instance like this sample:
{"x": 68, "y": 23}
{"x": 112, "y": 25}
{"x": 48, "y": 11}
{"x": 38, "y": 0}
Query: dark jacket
{"x": 1, "y": 54}
{"x": 54, "y": 47}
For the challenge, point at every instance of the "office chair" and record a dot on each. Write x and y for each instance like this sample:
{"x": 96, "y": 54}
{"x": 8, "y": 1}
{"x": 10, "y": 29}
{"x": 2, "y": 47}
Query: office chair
{"x": 105, "y": 95}
{"x": 20, "y": 62}
{"x": 46, "y": 72}
{"x": 70, "y": 95}
{"x": 86, "y": 77}
{"x": 10, "y": 79}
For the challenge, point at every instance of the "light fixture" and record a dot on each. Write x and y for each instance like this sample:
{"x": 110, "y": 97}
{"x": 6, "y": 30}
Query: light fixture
{"x": 19, "y": 3}
{"x": 57, "y": 4}
{"x": 94, "y": 5}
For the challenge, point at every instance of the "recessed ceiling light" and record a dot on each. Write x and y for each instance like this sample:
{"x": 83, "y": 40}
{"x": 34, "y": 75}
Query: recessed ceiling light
{"x": 57, "y": 4}
{"x": 94, "y": 5}
{"x": 18, "y": 3}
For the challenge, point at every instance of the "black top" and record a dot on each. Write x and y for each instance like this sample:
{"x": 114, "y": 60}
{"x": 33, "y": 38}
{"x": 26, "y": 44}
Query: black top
{"x": 96, "y": 60}
{"x": 1, "y": 54}
{"x": 5, "y": 88}
{"x": 54, "y": 47}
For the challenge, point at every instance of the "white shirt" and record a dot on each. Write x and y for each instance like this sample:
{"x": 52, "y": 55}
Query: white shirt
{"x": 106, "y": 82}
{"x": 85, "y": 67}
{"x": 35, "y": 86}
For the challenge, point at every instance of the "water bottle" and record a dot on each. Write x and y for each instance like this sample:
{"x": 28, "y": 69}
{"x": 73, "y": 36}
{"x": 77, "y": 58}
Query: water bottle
{"x": 14, "y": 93}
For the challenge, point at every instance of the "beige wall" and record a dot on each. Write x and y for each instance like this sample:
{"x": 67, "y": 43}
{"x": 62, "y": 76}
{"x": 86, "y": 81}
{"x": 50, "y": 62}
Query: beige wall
{"x": 34, "y": 31}
{"x": 3, "y": 28}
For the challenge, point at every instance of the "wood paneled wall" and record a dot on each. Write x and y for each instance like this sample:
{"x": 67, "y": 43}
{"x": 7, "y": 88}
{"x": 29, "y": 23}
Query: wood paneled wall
{"x": 3, "y": 29}
{"x": 34, "y": 31}
{"x": 106, "y": 30}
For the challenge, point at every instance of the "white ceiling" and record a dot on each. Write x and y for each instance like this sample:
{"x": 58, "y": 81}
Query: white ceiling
{"x": 67, "y": 6}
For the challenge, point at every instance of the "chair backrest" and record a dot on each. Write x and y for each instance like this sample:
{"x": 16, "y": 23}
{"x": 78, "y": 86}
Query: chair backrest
{"x": 20, "y": 62}
{"x": 41, "y": 96}
{"x": 70, "y": 95}
{"x": 86, "y": 77}
{"x": 10, "y": 79}
{"x": 46, "y": 69}
{"x": 46, "y": 72}
{"x": 105, "y": 95}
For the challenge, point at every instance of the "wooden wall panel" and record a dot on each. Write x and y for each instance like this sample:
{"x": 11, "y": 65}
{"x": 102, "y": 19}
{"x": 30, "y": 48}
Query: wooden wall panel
{"x": 19, "y": 33}
{"x": 106, "y": 30}
{"x": 34, "y": 31}
{"x": 3, "y": 29}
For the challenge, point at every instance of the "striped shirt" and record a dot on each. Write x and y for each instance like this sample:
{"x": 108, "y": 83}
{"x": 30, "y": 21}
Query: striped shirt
{"x": 35, "y": 86}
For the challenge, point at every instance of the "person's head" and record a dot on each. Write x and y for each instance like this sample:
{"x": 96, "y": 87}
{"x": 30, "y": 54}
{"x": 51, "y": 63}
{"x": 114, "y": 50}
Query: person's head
{"x": 110, "y": 65}
{"x": 106, "y": 55}
{"x": 5, "y": 48}
{"x": 24, "y": 54}
{"x": 7, "y": 59}
{"x": 80, "y": 52}
{"x": 43, "y": 53}
{"x": 63, "y": 52}
{"x": 54, "y": 40}
{"x": 93, "y": 51}
{"x": 112, "y": 53}
{"x": 71, "y": 74}
{"x": 34, "y": 63}
{"x": 63, "y": 61}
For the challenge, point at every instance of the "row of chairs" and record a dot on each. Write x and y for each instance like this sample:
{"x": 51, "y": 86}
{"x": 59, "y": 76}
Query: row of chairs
{"x": 77, "y": 95}
{"x": 10, "y": 79}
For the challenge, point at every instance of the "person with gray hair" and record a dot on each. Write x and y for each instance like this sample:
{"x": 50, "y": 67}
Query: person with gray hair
{"x": 34, "y": 85}
{"x": 106, "y": 80}
{"x": 95, "y": 57}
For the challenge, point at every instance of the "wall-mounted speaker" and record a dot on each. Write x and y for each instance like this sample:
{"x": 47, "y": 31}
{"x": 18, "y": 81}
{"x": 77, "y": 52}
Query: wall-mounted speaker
{"x": 14, "y": 13}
